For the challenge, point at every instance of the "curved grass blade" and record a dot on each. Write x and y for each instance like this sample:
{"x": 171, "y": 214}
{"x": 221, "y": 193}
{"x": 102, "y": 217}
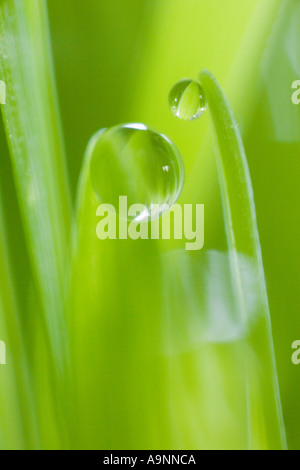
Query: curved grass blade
{"x": 164, "y": 337}
{"x": 266, "y": 428}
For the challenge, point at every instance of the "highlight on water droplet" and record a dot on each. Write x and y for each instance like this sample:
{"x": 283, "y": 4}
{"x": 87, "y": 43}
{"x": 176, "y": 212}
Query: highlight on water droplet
{"x": 187, "y": 100}
{"x": 135, "y": 161}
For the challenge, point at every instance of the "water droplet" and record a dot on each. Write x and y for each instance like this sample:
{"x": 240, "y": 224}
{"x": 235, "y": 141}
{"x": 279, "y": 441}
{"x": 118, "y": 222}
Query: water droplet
{"x": 187, "y": 100}
{"x": 135, "y": 161}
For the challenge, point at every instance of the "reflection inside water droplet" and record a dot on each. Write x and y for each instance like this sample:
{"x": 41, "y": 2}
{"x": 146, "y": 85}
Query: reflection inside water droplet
{"x": 135, "y": 161}
{"x": 187, "y": 100}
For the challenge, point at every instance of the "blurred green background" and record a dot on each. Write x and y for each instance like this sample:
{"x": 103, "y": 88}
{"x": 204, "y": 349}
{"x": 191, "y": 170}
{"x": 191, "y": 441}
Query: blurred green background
{"x": 115, "y": 62}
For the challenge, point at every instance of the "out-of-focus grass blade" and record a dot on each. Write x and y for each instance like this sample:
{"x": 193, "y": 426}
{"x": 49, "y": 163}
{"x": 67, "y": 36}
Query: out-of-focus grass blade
{"x": 114, "y": 315}
{"x": 170, "y": 334}
{"x": 35, "y": 142}
{"x": 18, "y": 421}
{"x": 272, "y": 144}
{"x": 266, "y": 427}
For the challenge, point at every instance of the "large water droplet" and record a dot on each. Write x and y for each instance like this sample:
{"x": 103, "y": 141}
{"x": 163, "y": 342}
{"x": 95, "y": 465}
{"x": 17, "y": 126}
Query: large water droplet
{"x": 187, "y": 100}
{"x": 135, "y": 161}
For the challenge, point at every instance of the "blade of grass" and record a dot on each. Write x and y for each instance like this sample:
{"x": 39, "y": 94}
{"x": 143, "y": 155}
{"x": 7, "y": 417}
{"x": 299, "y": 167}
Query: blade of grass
{"x": 114, "y": 319}
{"x": 16, "y": 379}
{"x": 138, "y": 304}
{"x": 265, "y": 414}
{"x": 35, "y": 141}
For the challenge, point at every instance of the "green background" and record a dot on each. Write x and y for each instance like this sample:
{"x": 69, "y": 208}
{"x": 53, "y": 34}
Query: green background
{"x": 115, "y": 62}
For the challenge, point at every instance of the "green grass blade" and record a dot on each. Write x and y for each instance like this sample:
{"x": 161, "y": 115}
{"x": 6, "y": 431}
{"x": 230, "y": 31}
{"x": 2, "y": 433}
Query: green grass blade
{"x": 18, "y": 409}
{"x": 265, "y": 416}
{"x": 169, "y": 337}
{"x": 35, "y": 142}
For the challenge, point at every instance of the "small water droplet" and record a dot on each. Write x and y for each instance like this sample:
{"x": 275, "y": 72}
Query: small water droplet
{"x": 187, "y": 100}
{"x": 135, "y": 161}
